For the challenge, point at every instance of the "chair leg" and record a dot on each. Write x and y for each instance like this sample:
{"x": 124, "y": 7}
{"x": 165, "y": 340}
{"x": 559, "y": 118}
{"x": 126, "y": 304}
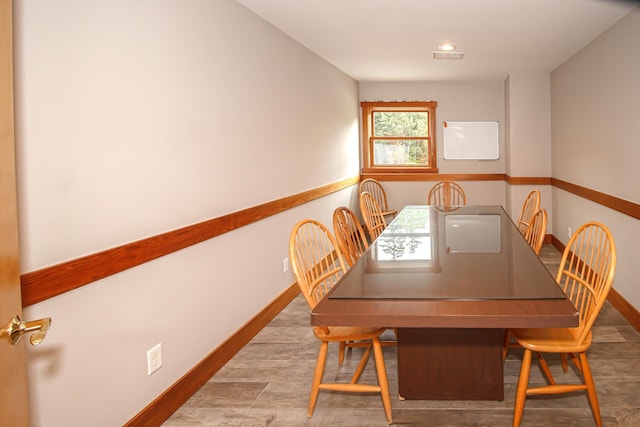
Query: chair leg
{"x": 341, "y": 350}
{"x": 565, "y": 363}
{"x": 591, "y": 388}
{"x": 505, "y": 344}
{"x": 545, "y": 368}
{"x": 383, "y": 381}
{"x": 521, "y": 393}
{"x": 363, "y": 363}
{"x": 575, "y": 361}
{"x": 317, "y": 377}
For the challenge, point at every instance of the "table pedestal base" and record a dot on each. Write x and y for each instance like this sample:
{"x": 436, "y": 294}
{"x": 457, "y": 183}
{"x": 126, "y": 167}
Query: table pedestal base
{"x": 450, "y": 364}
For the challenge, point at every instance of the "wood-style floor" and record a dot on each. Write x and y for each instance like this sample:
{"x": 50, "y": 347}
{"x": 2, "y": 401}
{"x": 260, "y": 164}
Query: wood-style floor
{"x": 267, "y": 383}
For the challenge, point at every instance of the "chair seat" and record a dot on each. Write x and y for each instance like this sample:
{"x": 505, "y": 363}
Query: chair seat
{"x": 347, "y": 333}
{"x": 551, "y": 340}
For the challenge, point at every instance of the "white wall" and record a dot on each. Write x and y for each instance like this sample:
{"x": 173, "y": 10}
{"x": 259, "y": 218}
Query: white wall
{"x": 457, "y": 101}
{"x": 529, "y": 125}
{"x": 528, "y": 142}
{"x": 136, "y": 118}
{"x": 595, "y": 100}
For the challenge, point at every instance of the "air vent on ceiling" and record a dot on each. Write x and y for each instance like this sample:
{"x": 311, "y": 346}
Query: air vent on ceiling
{"x": 447, "y": 55}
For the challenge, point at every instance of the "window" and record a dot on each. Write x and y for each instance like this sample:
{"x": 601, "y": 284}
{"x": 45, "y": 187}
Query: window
{"x": 399, "y": 136}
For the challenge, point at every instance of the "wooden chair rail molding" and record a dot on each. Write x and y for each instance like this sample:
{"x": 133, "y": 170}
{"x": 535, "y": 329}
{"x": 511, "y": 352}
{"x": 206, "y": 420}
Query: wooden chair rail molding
{"x": 621, "y": 205}
{"x": 48, "y": 282}
{"x": 393, "y": 176}
{"x": 459, "y": 177}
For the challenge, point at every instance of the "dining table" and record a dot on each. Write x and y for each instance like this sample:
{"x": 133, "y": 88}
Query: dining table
{"x": 450, "y": 281}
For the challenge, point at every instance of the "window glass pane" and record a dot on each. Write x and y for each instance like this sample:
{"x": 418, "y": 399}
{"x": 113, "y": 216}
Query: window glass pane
{"x": 401, "y": 152}
{"x": 400, "y": 124}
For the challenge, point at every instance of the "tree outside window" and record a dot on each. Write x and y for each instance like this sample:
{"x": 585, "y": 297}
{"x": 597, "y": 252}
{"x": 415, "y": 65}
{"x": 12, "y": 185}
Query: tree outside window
{"x": 399, "y": 136}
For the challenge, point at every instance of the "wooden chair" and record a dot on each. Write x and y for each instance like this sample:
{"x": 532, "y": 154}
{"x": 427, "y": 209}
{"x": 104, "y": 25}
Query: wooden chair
{"x": 376, "y": 189}
{"x": 536, "y": 231}
{"x": 585, "y": 274}
{"x": 372, "y": 215}
{"x": 349, "y": 234}
{"x": 530, "y": 206}
{"x": 318, "y": 266}
{"x": 447, "y": 194}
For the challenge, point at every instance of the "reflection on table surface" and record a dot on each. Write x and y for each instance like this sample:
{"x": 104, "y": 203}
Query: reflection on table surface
{"x": 472, "y": 252}
{"x": 472, "y": 233}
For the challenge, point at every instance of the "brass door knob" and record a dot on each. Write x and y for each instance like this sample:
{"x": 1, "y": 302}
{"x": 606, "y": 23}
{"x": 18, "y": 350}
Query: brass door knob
{"x": 18, "y": 327}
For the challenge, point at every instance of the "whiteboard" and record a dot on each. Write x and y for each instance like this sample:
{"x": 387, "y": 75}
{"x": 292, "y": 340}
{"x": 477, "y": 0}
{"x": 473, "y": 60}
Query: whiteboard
{"x": 471, "y": 140}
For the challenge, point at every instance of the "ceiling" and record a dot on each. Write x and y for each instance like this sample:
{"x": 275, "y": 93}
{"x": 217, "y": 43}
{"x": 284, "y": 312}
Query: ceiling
{"x": 394, "y": 40}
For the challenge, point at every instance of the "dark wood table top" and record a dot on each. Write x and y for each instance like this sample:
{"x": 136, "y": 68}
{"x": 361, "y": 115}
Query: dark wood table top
{"x": 464, "y": 268}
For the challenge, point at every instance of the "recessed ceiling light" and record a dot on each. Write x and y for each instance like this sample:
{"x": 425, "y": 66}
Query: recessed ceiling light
{"x": 447, "y": 47}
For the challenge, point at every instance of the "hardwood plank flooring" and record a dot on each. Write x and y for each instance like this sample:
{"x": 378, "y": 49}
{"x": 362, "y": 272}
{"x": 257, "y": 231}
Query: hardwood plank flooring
{"x": 267, "y": 383}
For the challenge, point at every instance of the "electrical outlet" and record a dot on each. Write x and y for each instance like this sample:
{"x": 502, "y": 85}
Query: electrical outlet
{"x": 154, "y": 359}
{"x": 569, "y": 231}
{"x": 285, "y": 265}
